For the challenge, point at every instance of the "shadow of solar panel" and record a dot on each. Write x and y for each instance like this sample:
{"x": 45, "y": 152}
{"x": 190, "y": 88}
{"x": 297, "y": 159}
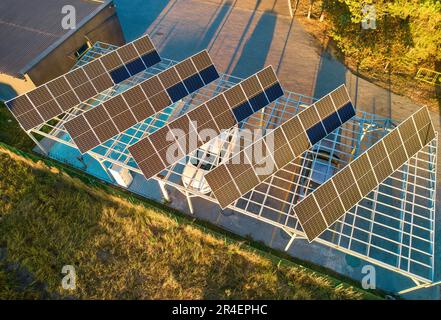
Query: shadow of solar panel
{"x": 242, "y": 111}
{"x": 316, "y": 133}
{"x": 119, "y": 74}
{"x": 177, "y": 92}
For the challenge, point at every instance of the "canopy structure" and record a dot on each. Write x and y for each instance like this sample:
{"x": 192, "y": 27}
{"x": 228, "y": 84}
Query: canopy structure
{"x": 392, "y": 227}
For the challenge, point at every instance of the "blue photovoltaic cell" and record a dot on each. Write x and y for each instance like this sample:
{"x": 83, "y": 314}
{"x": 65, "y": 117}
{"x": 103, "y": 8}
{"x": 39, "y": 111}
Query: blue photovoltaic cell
{"x": 243, "y": 111}
{"x": 209, "y": 74}
{"x": 151, "y": 58}
{"x": 316, "y": 133}
{"x": 274, "y": 92}
{"x": 258, "y": 102}
{"x": 177, "y": 92}
{"x": 193, "y": 83}
{"x": 346, "y": 112}
{"x": 120, "y": 74}
{"x": 135, "y": 66}
{"x": 331, "y": 122}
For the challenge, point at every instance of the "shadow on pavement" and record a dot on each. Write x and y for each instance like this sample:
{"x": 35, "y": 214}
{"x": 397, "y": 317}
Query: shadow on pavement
{"x": 257, "y": 47}
{"x": 135, "y": 22}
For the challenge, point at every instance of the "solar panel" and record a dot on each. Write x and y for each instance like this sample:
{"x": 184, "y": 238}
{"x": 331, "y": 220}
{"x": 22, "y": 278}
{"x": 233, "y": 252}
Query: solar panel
{"x": 291, "y": 139}
{"x": 61, "y": 94}
{"x": 139, "y": 102}
{"x": 217, "y": 114}
{"x": 340, "y": 193}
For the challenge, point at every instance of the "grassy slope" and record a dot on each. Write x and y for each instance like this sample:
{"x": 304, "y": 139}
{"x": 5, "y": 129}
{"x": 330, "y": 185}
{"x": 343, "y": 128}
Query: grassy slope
{"x": 121, "y": 250}
{"x": 10, "y": 131}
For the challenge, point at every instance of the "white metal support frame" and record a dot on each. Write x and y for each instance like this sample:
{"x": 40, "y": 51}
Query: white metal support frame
{"x": 393, "y": 227}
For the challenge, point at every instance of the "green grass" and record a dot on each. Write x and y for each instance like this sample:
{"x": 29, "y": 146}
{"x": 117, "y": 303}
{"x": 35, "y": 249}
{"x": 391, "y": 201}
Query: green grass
{"x": 123, "y": 250}
{"x": 10, "y": 131}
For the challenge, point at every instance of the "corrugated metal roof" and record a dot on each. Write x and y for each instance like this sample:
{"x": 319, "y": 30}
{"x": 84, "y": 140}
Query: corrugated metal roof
{"x": 27, "y": 28}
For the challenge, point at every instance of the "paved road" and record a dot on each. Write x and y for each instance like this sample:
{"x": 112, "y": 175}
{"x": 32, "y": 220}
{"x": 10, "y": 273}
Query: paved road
{"x": 242, "y": 36}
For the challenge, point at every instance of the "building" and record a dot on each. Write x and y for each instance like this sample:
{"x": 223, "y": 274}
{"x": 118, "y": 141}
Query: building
{"x": 34, "y": 46}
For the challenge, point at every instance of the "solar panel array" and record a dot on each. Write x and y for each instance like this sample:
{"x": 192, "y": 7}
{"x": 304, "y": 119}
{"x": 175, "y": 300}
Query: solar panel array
{"x": 153, "y": 153}
{"x": 60, "y": 94}
{"x": 243, "y": 172}
{"x": 320, "y": 209}
{"x": 124, "y": 110}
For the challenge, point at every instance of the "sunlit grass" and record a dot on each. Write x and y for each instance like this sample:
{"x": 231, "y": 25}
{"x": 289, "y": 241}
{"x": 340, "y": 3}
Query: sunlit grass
{"x": 125, "y": 251}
